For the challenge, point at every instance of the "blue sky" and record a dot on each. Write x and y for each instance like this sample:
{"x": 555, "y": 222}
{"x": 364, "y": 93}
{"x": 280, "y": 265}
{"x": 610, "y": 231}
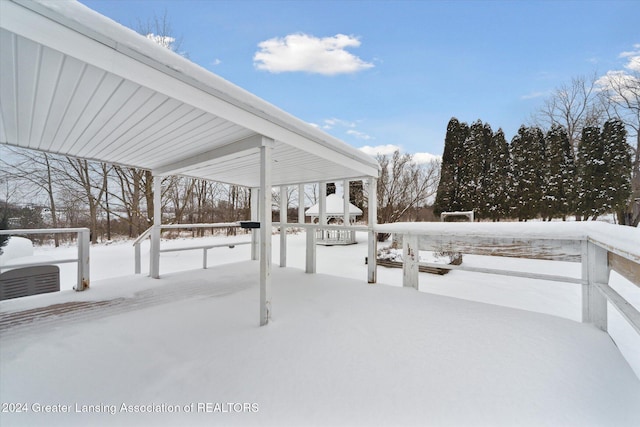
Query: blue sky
{"x": 380, "y": 73}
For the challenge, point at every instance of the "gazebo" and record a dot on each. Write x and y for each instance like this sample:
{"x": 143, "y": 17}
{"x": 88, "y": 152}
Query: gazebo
{"x": 75, "y": 83}
{"x": 338, "y": 211}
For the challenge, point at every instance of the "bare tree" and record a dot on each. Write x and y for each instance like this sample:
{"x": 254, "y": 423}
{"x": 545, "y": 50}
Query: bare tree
{"x": 38, "y": 173}
{"x": 89, "y": 177}
{"x": 403, "y": 184}
{"x": 180, "y": 195}
{"x": 574, "y": 106}
{"x": 160, "y": 30}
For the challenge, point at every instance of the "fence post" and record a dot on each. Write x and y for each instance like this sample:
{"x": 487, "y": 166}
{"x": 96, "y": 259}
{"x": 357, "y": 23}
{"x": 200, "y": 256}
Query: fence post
{"x": 410, "y": 258}
{"x": 83, "y": 261}
{"x": 595, "y": 269}
{"x": 311, "y": 251}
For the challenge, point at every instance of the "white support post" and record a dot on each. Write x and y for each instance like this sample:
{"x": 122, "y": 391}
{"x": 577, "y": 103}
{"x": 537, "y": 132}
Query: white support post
{"x": 301, "y": 204}
{"x": 154, "y": 261}
{"x": 410, "y": 259}
{"x": 265, "y": 230}
{"x": 373, "y": 241}
{"x": 322, "y": 207}
{"x": 137, "y": 267}
{"x": 596, "y": 270}
{"x": 83, "y": 261}
{"x": 204, "y": 258}
{"x": 254, "y": 217}
{"x": 345, "y": 196}
{"x": 310, "y": 266}
{"x": 348, "y": 235}
{"x": 283, "y": 228}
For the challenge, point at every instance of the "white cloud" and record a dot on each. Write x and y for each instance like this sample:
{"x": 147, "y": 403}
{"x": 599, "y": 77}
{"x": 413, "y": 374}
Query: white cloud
{"x": 422, "y": 158}
{"x": 359, "y": 135}
{"x": 380, "y": 149}
{"x": 534, "y": 95}
{"x": 633, "y": 61}
{"x": 332, "y": 122}
{"x": 631, "y": 52}
{"x": 620, "y": 82}
{"x": 389, "y": 149}
{"x": 216, "y": 62}
{"x": 303, "y": 52}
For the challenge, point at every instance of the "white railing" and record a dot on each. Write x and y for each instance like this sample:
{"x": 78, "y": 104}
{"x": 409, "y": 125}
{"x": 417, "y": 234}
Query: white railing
{"x": 147, "y": 234}
{"x": 312, "y": 231}
{"x": 599, "y": 255}
{"x": 83, "y": 280}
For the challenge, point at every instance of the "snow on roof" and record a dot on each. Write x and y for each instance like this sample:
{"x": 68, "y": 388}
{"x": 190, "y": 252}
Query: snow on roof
{"x": 335, "y": 207}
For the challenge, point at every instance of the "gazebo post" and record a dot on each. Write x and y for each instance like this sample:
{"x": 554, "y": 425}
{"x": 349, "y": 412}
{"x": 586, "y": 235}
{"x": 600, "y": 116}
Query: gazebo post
{"x": 373, "y": 241}
{"x": 265, "y": 229}
{"x": 283, "y": 228}
{"x": 254, "y": 193}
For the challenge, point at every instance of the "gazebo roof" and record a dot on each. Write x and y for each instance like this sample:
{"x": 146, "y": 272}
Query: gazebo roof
{"x": 76, "y": 83}
{"x": 335, "y": 207}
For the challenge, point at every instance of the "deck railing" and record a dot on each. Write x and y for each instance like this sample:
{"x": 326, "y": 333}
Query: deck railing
{"x": 83, "y": 252}
{"x": 598, "y": 257}
{"x": 205, "y": 248}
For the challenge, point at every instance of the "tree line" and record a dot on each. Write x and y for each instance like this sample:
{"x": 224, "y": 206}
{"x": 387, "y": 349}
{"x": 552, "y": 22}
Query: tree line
{"x": 41, "y": 190}
{"x": 538, "y": 174}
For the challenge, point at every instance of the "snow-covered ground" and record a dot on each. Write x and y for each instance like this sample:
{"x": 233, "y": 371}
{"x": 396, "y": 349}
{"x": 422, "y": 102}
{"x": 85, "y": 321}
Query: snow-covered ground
{"x": 337, "y": 350}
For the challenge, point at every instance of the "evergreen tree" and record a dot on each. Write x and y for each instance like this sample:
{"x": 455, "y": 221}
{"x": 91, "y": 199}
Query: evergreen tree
{"x": 496, "y": 186}
{"x": 592, "y": 173}
{"x": 447, "y": 197}
{"x": 474, "y": 173}
{"x": 356, "y": 193}
{"x": 559, "y": 189}
{"x": 527, "y": 156}
{"x": 4, "y": 225}
{"x": 617, "y": 160}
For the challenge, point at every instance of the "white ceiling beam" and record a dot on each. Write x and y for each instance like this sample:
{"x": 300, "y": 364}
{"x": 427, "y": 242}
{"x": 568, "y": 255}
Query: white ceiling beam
{"x": 252, "y": 143}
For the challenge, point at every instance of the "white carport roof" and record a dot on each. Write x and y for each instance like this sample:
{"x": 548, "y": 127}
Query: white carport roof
{"x": 76, "y": 83}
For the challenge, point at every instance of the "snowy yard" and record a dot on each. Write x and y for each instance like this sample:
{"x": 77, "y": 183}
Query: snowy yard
{"x": 469, "y": 349}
